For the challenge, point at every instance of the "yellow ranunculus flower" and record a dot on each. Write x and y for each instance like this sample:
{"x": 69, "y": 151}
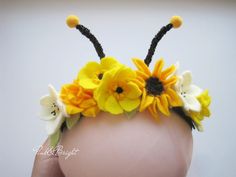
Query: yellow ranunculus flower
{"x": 197, "y": 117}
{"x": 118, "y": 91}
{"x": 78, "y": 100}
{"x": 92, "y": 73}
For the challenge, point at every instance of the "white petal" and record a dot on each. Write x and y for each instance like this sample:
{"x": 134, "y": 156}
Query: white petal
{"x": 200, "y": 128}
{"x": 47, "y": 101}
{"x": 46, "y": 114}
{"x": 178, "y": 84}
{"x": 187, "y": 80}
{"x": 54, "y": 125}
{"x": 62, "y": 108}
{"x": 194, "y": 90}
{"x": 52, "y": 91}
{"x": 191, "y": 103}
{"x": 182, "y": 98}
{"x": 47, "y": 118}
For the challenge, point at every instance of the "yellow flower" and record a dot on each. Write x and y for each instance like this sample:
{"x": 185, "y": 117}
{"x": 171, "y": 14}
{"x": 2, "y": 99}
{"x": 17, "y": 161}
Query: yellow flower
{"x": 157, "y": 87}
{"x": 118, "y": 91}
{"x": 78, "y": 100}
{"x": 197, "y": 117}
{"x": 90, "y": 76}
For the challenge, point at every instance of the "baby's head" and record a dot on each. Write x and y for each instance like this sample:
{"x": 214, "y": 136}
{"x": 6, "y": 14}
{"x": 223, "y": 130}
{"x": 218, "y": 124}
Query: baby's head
{"x": 116, "y": 146}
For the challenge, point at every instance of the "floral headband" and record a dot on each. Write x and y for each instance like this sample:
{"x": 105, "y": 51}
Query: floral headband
{"x": 112, "y": 87}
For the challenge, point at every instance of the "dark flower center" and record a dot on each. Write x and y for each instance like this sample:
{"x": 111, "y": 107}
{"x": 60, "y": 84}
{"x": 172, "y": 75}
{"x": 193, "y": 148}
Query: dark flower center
{"x": 100, "y": 76}
{"x": 55, "y": 110}
{"x": 154, "y": 86}
{"x": 119, "y": 90}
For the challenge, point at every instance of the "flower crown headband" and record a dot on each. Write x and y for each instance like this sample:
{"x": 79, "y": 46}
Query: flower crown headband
{"x": 112, "y": 87}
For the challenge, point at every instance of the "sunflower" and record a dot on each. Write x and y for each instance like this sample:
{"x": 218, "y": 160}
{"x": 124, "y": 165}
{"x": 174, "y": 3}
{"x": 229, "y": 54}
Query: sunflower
{"x": 157, "y": 87}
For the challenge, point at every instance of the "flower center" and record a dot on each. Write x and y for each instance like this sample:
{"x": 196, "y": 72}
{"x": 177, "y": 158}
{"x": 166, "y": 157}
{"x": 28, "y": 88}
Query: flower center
{"x": 119, "y": 90}
{"x": 100, "y": 76}
{"x": 154, "y": 86}
{"x": 55, "y": 110}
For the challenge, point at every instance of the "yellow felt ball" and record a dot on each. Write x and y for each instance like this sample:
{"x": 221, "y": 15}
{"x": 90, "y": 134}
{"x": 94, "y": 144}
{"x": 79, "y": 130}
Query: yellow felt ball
{"x": 176, "y": 21}
{"x": 72, "y": 21}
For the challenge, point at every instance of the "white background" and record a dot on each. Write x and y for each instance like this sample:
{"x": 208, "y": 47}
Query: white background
{"x": 37, "y": 48}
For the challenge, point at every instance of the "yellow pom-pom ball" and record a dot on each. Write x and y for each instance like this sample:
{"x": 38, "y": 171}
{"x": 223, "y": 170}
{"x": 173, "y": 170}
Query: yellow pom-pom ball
{"x": 176, "y": 21}
{"x": 72, "y": 21}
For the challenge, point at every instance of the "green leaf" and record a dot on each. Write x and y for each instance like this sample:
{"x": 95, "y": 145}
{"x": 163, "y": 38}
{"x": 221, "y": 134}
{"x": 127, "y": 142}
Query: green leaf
{"x": 131, "y": 114}
{"x": 54, "y": 139}
{"x": 71, "y": 121}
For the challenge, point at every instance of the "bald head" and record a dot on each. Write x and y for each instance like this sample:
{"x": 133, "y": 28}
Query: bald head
{"x": 113, "y": 146}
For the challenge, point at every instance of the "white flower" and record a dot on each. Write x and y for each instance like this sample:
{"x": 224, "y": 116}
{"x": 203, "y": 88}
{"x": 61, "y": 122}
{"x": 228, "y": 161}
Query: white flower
{"x": 53, "y": 111}
{"x": 188, "y": 92}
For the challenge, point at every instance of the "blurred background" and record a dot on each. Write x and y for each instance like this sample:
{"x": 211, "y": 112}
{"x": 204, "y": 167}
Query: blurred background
{"x": 37, "y": 48}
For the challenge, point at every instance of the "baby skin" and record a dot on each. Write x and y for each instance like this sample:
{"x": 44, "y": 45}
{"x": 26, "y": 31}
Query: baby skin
{"x": 114, "y": 146}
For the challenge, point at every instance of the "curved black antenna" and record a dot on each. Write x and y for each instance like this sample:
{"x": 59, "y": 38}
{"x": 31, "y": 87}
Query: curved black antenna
{"x": 86, "y": 32}
{"x": 73, "y": 22}
{"x": 175, "y": 22}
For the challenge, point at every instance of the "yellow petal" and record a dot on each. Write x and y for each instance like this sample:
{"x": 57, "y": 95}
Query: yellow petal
{"x": 170, "y": 82}
{"x": 88, "y": 103}
{"x": 154, "y": 106}
{"x": 139, "y": 83}
{"x": 162, "y": 105}
{"x": 146, "y": 102}
{"x": 91, "y": 112}
{"x": 111, "y": 75}
{"x": 101, "y": 94}
{"x": 173, "y": 98}
{"x": 204, "y": 99}
{"x": 206, "y": 112}
{"x": 143, "y": 99}
{"x": 88, "y": 83}
{"x": 196, "y": 120}
{"x": 108, "y": 63}
{"x": 107, "y": 80}
{"x": 165, "y": 103}
{"x": 140, "y": 79}
{"x": 133, "y": 91}
{"x": 129, "y": 104}
{"x": 124, "y": 73}
{"x": 142, "y": 74}
{"x": 167, "y": 72}
{"x": 70, "y": 109}
{"x": 158, "y": 68}
{"x": 101, "y": 97}
{"x": 113, "y": 106}
{"x": 89, "y": 70}
{"x": 153, "y": 112}
{"x": 141, "y": 66}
